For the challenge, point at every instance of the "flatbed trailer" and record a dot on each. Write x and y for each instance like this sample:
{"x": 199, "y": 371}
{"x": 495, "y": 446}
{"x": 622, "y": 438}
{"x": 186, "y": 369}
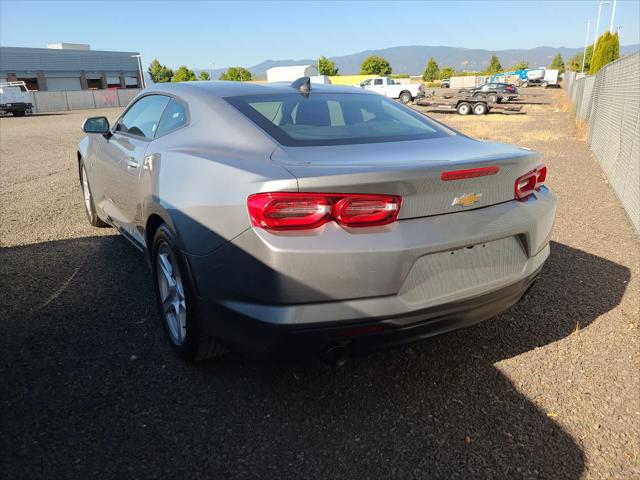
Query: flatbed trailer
{"x": 464, "y": 105}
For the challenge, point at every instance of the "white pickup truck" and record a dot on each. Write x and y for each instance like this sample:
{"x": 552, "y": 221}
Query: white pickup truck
{"x": 386, "y": 86}
{"x": 15, "y": 99}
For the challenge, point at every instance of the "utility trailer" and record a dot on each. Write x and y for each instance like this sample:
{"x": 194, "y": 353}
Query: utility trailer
{"x": 464, "y": 105}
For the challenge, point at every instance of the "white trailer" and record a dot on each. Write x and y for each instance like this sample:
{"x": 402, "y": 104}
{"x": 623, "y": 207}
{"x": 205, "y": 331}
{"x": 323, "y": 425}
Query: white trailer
{"x": 291, "y": 73}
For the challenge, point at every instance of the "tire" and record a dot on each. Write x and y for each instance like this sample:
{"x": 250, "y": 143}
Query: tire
{"x": 463, "y": 108}
{"x": 492, "y": 98}
{"x": 525, "y": 84}
{"x": 544, "y": 85}
{"x": 176, "y": 301}
{"x": 89, "y": 206}
{"x": 479, "y": 109}
{"x": 19, "y": 113}
{"x": 405, "y": 97}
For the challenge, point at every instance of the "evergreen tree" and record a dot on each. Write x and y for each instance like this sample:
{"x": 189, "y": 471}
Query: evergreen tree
{"x": 494, "y": 65}
{"x": 607, "y": 50}
{"x": 557, "y": 63}
{"x": 159, "y": 73}
{"x": 327, "y": 67}
{"x": 431, "y": 72}
{"x": 183, "y": 74}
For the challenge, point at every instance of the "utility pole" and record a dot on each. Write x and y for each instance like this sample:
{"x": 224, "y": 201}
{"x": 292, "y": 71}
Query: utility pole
{"x": 586, "y": 41}
{"x": 595, "y": 37}
{"x": 613, "y": 15}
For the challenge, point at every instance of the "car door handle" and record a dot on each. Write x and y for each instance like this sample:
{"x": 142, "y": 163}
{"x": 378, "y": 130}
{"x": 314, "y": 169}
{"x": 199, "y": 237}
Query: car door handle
{"x": 132, "y": 163}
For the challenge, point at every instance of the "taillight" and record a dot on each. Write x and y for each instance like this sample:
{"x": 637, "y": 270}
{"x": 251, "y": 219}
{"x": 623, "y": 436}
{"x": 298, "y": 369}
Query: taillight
{"x": 529, "y": 182}
{"x": 294, "y": 211}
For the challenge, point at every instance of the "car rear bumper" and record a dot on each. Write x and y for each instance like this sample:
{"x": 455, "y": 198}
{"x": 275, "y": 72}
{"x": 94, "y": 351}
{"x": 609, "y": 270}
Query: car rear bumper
{"x": 243, "y": 332}
{"x": 454, "y": 270}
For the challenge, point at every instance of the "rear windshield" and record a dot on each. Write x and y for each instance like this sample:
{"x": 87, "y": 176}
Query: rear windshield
{"x": 335, "y": 118}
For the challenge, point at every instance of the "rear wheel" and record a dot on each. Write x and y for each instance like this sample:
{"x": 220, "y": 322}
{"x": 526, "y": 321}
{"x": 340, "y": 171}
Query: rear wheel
{"x": 176, "y": 301}
{"x": 19, "y": 113}
{"x": 544, "y": 85}
{"x": 525, "y": 84}
{"x": 89, "y": 206}
{"x": 464, "y": 108}
{"x": 492, "y": 98}
{"x": 479, "y": 109}
{"x": 405, "y": 97}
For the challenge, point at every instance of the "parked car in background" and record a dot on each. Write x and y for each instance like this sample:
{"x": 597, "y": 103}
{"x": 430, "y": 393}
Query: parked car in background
{"x": 313, "y": 218}
{"x": 405, "y": 92}
{"x": 15, "y": 99}
{"x": 446, "y": 83}
{"x": 494, "y": 92}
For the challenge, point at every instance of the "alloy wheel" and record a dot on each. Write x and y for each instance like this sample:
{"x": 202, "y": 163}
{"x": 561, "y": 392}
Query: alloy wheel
{"x": 172, "y": 298}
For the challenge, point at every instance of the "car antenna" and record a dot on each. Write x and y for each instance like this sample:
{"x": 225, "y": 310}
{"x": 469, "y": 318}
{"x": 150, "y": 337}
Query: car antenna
{"x": 303, "y": 84}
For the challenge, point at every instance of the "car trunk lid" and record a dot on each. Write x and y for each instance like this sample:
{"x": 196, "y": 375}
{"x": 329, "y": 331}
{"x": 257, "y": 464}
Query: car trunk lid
{"x": 414, "y": 170}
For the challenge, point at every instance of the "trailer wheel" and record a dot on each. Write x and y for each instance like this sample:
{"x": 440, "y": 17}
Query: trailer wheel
{"x": 525, "y": 84}
{"x": 464, "y": 108}
{"x": 479, "y": 109}
{"x": 492, "y": 98}
{"x": 544, "y": 85}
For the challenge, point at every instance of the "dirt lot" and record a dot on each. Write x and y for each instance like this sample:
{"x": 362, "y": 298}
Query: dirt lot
{"x": 90, "y": 389}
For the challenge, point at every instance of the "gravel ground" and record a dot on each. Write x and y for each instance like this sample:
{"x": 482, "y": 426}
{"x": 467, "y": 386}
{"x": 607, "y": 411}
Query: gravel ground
{"x": 90, "y": 389}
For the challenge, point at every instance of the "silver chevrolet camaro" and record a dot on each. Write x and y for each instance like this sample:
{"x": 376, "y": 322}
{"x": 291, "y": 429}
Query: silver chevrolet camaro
{"x": 313, "y": 218}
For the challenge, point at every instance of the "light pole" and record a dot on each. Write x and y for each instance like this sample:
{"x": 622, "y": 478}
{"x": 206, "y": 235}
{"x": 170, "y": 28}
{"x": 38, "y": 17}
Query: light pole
{"x": 613, "y": 15}
{"x": 139, "y": 57}
{"x": 586, "y": 41}
{"x": 595, "y": 35}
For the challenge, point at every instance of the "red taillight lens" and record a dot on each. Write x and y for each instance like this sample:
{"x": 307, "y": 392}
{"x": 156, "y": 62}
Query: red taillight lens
{"x": 366, "y": 210}
{"x": 530, "y": 181}
{"x": 293, "y": 211}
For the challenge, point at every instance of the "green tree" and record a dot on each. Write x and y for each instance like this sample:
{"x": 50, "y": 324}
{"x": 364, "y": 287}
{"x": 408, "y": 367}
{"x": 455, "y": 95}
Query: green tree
{"x": 204, "y": 75}
{"x": 557, "y": 63}
{"x": 159, "y": 73}
{"x": 607, "y": 50}
{"x": 375, "y": 65}
{"x": 446, "y": 72}
{"x": 521, "y": 65}
{"x": 327, "y": 67}
{"x": 431, "y": 72}
{"x": 575, "y": 62}
{"x": 183, "y": 74}
{"x": 236, "y": 74}
{"x": 494, "y": 65}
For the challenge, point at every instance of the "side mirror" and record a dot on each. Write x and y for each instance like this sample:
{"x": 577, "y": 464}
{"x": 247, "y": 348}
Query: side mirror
{"x": 96, "y": 125}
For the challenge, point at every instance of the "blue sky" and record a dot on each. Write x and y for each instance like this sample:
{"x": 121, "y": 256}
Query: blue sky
{"x": 245, "y": 33}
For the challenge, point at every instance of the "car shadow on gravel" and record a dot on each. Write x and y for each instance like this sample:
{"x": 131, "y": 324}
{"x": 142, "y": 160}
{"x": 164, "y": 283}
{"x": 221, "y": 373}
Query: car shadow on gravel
{"x": 91, "y": 389}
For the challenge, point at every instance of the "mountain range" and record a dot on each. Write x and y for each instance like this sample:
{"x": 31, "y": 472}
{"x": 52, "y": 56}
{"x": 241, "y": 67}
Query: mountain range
{"x": 413, "y": 59}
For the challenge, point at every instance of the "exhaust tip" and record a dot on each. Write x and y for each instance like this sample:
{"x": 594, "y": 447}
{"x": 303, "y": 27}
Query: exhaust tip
{"x": 335, "y": 355}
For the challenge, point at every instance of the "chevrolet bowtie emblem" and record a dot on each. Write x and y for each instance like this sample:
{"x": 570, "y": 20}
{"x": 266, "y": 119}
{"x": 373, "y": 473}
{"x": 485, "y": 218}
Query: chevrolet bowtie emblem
{"x": 467, "y": 199}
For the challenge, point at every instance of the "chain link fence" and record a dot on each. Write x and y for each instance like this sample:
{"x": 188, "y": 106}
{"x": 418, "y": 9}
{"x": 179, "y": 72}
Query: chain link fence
{"x": 610, "y": 103}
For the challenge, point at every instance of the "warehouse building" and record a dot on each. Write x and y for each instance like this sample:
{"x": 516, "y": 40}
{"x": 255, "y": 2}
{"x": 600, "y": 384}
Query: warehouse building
{"x": 68, "y": 67}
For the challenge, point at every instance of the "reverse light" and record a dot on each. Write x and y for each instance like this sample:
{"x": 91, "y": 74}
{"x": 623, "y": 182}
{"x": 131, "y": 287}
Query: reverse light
{"x": 530, "y": 182}
{"x": 299, "y": 210}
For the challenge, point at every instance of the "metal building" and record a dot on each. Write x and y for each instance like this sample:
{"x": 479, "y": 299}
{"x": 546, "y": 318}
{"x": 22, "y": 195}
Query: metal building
{"x": 69, "y": 66}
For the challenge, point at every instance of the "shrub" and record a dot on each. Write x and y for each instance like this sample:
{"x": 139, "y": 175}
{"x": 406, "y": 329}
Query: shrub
{"x": 159, "y": 73}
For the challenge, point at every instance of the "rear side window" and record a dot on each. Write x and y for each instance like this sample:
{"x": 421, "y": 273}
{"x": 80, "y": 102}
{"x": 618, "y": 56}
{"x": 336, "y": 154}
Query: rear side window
{"x": 143, "y": 117}
{"x": 174, "y": 116}
{"x": 335, "y": 118}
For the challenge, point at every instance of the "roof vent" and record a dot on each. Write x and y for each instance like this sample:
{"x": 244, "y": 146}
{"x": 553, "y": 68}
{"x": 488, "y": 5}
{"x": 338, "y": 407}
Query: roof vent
{"x": 303, "y": 85}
